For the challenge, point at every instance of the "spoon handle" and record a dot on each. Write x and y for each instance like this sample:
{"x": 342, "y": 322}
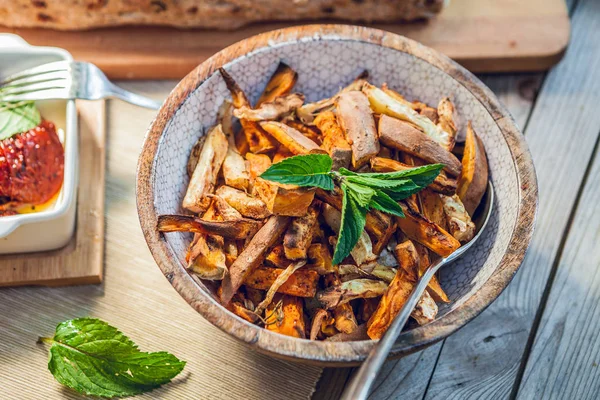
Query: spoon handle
{"x": 361, "y": 382}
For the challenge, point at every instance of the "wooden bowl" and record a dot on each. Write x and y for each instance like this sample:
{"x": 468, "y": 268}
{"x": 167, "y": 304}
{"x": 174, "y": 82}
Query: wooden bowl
{"x": 326, "y": 58}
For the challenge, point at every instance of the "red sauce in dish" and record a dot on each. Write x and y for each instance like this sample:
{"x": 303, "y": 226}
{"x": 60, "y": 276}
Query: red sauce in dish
{"x": 31, "y": 167}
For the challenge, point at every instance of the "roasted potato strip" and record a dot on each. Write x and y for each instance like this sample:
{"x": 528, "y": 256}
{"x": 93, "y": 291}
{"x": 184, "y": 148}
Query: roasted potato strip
{"x": 289, "y": 137}
{"x": 302, "y": 283}
{"x": 350, "y": 290}
{"x": 258, "y": 140}
{"x": 239, "y": 229}
{"x": 252, "y": 255}
{"x": 203, "y": 180}
{"x": 404, "y": 137}
{"x": 275, "y": 109}
{"x": 299, "y": 235}
{"x": 422, "y": 230}
{"x": 245, "y": 204}
{"x": 334, "y": 141}
{"x": 356, "y": 121}
{"x": 281, "y": 83}
{"x": 289, "y": 319}
{"x": 473, "y": 180}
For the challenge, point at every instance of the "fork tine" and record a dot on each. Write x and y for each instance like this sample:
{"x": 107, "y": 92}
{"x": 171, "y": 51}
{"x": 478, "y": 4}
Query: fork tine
{"x": 50, "y": 94}
{"x": 48, "y": 68}
{"x": 37, "y": 87}
{"x": 49, "y": 77}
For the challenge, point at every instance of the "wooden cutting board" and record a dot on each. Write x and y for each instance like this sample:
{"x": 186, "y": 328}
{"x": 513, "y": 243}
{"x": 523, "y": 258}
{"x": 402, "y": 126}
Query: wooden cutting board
{"x": 483, "y": 35}
{"x": 81, "y": 261}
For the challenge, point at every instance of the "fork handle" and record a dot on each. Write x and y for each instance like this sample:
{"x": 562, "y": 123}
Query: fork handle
{"x": 363, "y": 379}
{"x": 136, "y": 99}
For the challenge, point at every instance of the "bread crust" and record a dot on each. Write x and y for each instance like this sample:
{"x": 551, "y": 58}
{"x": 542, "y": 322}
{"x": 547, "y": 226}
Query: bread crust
{"x": 214, "y": 14}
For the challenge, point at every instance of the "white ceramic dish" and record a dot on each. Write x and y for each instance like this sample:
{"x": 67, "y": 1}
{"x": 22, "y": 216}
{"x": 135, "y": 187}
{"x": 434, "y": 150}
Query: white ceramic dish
{"x": 53, "y": 227}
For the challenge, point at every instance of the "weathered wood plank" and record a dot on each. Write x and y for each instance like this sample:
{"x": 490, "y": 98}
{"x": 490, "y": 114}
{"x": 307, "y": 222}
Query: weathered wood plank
{"x": 482, "y": 360}
{"x": 563, "y": 362}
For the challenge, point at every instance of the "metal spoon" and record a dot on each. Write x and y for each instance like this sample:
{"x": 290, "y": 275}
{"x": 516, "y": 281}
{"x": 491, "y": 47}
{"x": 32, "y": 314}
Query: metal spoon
{"x": 361, "y": 382}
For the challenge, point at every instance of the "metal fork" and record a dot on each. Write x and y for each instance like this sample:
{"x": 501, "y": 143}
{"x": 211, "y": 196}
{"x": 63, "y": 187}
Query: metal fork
{"x": 67, "y": 80}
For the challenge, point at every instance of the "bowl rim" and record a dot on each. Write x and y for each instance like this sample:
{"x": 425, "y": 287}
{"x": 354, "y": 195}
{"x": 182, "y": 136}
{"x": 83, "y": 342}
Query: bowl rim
{"x": 325, "y": 352}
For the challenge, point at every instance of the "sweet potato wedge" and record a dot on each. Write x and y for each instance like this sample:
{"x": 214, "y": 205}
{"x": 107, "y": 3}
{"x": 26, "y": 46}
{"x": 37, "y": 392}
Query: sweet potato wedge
{"x": 319, "y": 259}
{"x": 206, "y": 255}
{"x": 239, "y": 229}
{"x": 434, "y": 288}
{"x": 405, "y": 137}
{"x": 258, "y": 140}
{"x": 355, "y": 118}
{"x": 277, "y": 108}
{"x": 246, "y": 205}
{"x": 343, "y": 314}
{"x": 382, "y": 103}
{"x": 302, "y": 283}
{"x": 234, "y": 165}
{"x": 432, "y": 207}
{"x": 458, "y": 220}
{"x": 281, "y": 83}
{"x": 350, "y": 290}
{"x": 416, "y": 227}
{"x": 299, "y": 235}
{"x": 334, "y": 141}
{"x": 310, "y": 131}
{"x": 473, "y": 180}
{"x": 289, "y": 137}
{"x": 289, "y": 320}
{"x": 425, "y": 310}
{"x": 446, "y": 121}
{"x": 203, "y": 180}
{"x": 281, "y": 154}
{"x": 284, "y": 199}
{"x": 252, "y": 255}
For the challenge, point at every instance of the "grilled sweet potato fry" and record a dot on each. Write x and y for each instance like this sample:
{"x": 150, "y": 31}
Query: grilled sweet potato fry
{"x": 319, "y": 258}
{"x": 204, "y": 178}
{"x": 422, "y": 230}
{"x": 425, "y": 310}
{"x": 234, "y": 165}
{"x": 298, "y": 237}
{"x": 310, "y": 131}
{"x": 281, "y": 154}
{"x": 473, "y": 180}
{"x": 383, "y": 103}
{"x": 405, "y": 137}
{"x": 459, "y": 221}
{"x": 281, "y": 83}
{"x": 396, "y": 295}
{"x": 283, "y": 199}
{"x": 289, "y": 320}
{"x": 239, "y": 229}
{"x": 350, "y": 290}
{"x": 356, "y": 121}
{"x": 343, "y": 314}
{"x": 276, "y": 257}
{"x": 252, "y": 255}
{"x": 281, "y": 280}
{"x": 275, "y": 109}
{"x": 258, "y": 140}
{"x": 206, "y": 255}
{"x": 349, "y": 272}
{"x": 295, "y": 141}
{"x": 432, "y": 207}
{"x": 245, "y": 204}
{"x": 334, "y": 141}
{"x": 321, "y": 317}
{"x": 442, "y": 183}
{"x": 302, "y": 283}
{"x": 445, "y": 112}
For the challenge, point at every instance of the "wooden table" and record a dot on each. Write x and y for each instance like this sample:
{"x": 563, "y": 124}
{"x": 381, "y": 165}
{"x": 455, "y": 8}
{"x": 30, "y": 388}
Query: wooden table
{"x": 538, "y": 340}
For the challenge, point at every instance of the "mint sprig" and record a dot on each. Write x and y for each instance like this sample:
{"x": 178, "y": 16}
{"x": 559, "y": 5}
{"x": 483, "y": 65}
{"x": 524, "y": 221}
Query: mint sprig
{"x": 361, "y": 191}
{"x": 18, "y": 117}
{"x": 94, "y": 358}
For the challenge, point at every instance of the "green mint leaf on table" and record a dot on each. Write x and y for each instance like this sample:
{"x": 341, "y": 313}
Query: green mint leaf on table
{"x": 94, "y": 358}
{"x": 17, "y": 117}
{"x": 351, "y": 227}
{"x": 361, "y": 191}
{"x": 306, "y": 170}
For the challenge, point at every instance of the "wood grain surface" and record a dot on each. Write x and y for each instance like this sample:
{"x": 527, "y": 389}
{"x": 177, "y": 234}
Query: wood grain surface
{"x": 483, "y": 35}
{"x": 136, "y": 298}
{"x": 81, "y": 261}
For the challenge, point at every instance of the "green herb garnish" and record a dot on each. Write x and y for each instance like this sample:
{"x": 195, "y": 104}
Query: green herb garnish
{"x": 361, "y": 191}
{"x": 18, "y": 117}
{"x": 94, "y": 358}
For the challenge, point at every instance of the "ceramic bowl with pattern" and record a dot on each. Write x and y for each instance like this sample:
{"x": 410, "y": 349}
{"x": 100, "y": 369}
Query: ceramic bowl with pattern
{"x": 326, "y": 58}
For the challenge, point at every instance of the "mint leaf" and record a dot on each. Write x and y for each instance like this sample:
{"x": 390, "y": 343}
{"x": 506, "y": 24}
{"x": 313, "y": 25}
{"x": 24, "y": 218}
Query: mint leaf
{"x": 304, "y": 170}
{"x": 351, "y": 227}
{"x": 422, "y": 176}
{"x": 362, "y": 194}
{"x": 382, "y": 202}
{"x": 94, "y": 358}
{"x": 17, "y": 118}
